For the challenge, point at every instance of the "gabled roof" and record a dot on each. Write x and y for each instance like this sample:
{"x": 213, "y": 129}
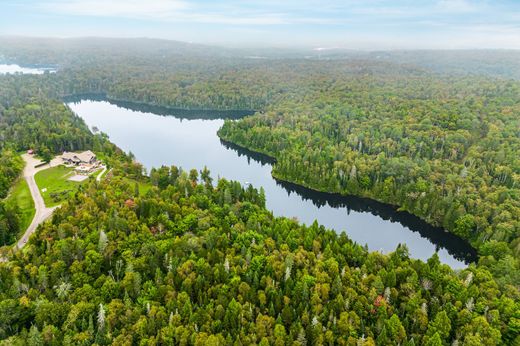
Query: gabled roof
{"x": 85, "y": 156}
{"x": 68, "y": 156}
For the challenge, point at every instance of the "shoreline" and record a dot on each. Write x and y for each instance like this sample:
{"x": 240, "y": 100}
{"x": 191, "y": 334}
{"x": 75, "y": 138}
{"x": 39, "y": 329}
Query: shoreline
{"x": 328, "y": 196}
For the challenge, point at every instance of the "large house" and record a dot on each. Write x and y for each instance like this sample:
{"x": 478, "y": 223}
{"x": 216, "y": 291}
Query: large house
{"x": 84, "y": 158}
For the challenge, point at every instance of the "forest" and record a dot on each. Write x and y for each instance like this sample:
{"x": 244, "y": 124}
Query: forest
{"x": 191, "y": 262}
{"x": 445, "y": 151}
{"x": 202, "y": 262}
{"x": 11, "y": 166}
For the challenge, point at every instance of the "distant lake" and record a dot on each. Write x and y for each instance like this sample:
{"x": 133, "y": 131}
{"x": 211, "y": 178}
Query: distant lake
{"x": 189, "y": 139}
{"x": 14, "y": 69}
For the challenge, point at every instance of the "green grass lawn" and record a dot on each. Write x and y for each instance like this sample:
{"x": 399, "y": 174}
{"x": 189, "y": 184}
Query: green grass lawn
{"x": 55, "y": 180}
{"x": 21, "y": 194}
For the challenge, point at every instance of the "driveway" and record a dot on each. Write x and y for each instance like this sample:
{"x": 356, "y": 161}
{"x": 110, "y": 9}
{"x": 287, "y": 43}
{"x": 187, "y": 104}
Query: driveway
{"x": 100, "y": 175}
{"x": 42, "y": 212}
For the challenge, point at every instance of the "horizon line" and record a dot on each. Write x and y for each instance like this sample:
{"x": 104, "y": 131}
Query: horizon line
{"x": 316, "y": 49}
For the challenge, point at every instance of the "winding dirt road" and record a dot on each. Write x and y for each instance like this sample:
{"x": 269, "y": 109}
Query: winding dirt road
{"x": 42, "y": 212}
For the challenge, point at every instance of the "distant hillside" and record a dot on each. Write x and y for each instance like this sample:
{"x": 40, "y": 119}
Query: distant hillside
{"x": 51, "y": 51}
{"x": 494, "y": 63}
{"x": 29, "y": 50}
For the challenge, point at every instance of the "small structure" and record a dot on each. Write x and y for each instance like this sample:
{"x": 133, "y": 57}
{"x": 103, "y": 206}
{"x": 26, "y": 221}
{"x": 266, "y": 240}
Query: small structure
{"x": 30, "y": 152}
{"x": 84, "y": 158}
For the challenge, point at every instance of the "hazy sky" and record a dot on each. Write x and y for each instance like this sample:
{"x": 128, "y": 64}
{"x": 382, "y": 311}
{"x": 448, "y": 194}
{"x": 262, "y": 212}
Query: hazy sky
{"x": 361, "y": 24}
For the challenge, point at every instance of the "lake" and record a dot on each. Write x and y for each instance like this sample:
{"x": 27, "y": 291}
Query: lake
{"x": 159, "y": 136}
{"x": 13, "y": 68}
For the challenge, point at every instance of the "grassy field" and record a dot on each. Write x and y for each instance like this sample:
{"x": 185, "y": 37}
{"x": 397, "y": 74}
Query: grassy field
{"x": 58, "y": 188}
{"x": 21, "y": 194}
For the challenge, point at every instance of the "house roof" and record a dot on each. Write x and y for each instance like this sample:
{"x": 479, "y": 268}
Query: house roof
{"x": 68, "y": 156}
{"x": 85, "y": 156}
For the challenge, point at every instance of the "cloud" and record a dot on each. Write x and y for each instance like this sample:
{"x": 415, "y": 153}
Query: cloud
{"x": 117, "y": 8}
{"x": 177, "y": 11}
{"x": 456, "y": 6}
{"x": 361, "y": 23}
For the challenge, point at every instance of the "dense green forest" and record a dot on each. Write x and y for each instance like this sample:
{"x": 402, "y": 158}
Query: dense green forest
{"x": 193, "y": 261}
{"x": 191, "y": 76}
{"x": 445, "y": 150}
{"x": 11, "y": 166}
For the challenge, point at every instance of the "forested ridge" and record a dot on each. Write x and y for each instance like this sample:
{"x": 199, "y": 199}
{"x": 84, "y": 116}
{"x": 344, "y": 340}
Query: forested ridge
{"x": 445, "y": 150}
{"x": 191, "y": 76}
{"x": 196, "y": 262}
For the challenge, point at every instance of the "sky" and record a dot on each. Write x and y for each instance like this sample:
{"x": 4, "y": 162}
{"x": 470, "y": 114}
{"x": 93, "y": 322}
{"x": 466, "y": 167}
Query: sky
{"x": 352, "y": 24}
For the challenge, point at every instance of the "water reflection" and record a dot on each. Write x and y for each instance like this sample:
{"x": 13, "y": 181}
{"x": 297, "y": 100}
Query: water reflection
{"x": 180, "y": 113}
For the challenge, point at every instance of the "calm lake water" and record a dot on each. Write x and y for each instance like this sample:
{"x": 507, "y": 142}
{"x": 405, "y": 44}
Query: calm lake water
{"x": 189, "y": 139}
{"x": 13, "y": 68}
